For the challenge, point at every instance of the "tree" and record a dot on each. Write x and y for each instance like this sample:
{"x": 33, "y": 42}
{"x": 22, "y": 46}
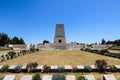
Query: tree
{"x": 117, "y": 42}
{"x": 45, "y": 41}
{"x": 109, "y": 42}
{"x": 101, "y": 65}
{"x": 4, "y": 39}
{"x": 103, "y": 41}
{"x": 95, "y": 43}
{"x": 15, "y": 40}
{"x": 21, "y": 41}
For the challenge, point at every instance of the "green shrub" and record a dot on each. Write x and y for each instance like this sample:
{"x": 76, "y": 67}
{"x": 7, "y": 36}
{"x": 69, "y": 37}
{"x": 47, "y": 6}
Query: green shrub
{"x": 5, "y": 68}
{"x": 36, "y": 77}
{"x": 58, "y": 76}
{"x": 46, "y": 68}
{"x": 81, "y": 78}
{"x": 113, "y": 68}
{"x": 88, "y": 68}
{"x": 12, "y": 54}
{"x": 95, "y": 51}
{"x": 18, "y": 69}
{"x": 75, "y": 69}
{"x": 104, "y": 51}
{"x": 31, "y": 67}
{"x": 101, "y": 65}
{"x": 61, "y": 69}
{"x": 1, "y": 77}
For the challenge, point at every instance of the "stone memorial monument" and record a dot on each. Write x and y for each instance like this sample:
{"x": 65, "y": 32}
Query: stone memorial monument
{"x": 60, "y": 39}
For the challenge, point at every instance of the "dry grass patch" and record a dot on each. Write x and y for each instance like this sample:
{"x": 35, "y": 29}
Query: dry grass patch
{"x": 61, "y": 58}
{"x": 114, "y": 51}
{"x": 6, "y": 51}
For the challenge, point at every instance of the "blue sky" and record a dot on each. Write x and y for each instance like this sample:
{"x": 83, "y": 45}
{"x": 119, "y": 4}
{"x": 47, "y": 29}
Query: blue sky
{"x": 86, "y": 21}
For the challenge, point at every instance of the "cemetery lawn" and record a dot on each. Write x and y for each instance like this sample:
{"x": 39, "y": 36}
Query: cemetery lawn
{"x": 6, "y": 51}
{"x": 61, "y": 58}
{"x": 114, "y": 51}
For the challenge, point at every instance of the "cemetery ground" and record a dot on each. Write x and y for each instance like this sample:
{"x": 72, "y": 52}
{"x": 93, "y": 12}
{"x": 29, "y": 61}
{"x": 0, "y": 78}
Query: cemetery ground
{"x": 6, "y": 51}
{"x": 114, "y": 51}
{"x": 97, "y": 76}
{"x": 61, "y": 58}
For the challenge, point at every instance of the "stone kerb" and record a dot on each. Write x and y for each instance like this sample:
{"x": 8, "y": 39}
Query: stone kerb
{"x": 26, "y": 77}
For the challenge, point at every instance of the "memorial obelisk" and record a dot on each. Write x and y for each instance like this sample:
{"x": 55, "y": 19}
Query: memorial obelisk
{"x": 60, "y": 39}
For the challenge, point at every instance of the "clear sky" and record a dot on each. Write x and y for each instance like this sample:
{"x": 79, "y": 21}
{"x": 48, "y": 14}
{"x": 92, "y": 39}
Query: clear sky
{"x": 86, "y": 21}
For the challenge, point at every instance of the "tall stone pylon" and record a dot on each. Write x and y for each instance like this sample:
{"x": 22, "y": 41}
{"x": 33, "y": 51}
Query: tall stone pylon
{"x": 60, "y": 39}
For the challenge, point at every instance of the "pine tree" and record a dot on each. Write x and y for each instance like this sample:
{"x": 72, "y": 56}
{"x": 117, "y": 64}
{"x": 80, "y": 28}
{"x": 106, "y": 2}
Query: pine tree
{"x": 4, "y": 39}
{"x": 21, "y": 41}
{"x": 103, "y": 41}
